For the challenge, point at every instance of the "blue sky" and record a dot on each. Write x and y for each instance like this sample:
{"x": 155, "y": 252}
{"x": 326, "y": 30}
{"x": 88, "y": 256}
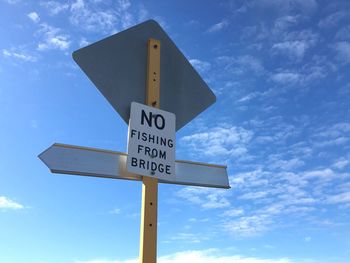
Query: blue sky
{"x": 280, "y": 71}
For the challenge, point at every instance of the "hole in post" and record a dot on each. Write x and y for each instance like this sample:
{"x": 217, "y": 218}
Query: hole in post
{"x": 155, "y": 46}
{"x": 150, "y": 224}
{"x": 154, "y": 103}
{"x": 154, "y": 79}
{"x": 154, "y": 73}
{"x": 151, "y": 203}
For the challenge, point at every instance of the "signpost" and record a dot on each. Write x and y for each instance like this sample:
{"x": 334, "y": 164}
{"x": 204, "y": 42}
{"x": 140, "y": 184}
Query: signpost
{"x": 120, "y": 66}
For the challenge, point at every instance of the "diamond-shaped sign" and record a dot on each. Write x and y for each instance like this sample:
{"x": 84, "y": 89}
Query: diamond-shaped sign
{"x": 117, "y": 66}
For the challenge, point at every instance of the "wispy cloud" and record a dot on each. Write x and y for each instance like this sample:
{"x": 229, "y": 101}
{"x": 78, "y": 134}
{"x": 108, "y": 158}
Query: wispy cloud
{"x": 34, "y": 17}
{"x": 91, "y": 19}
{"x": 12, "y": 2}
{"x": 339, "y": 198}
{"x": 53, "y": 38}
{"x": 55, "y": 7}
{"x": 205, "y": 256}
{"x": 336, "y": 135}
{"x": 115, "y": 211}
{"x": 341, "y": 163}
{"x": 207, "y": 198}
{"x": 343, "y": 51}
{"x": 218, "y": 26}
{"x": 188, "y": 238}
{"x": 286, "y": 77}
{"x": 333, "y": 19}
{"x": 249, "y": 225}
{"x": 6, "y": 203}
{"x": 241, "y": 64}
{"x": 234, "y": 212}
{"x": 227, "y": 140}
{"x": 292, "y": 49}
{"x": 19, "y": 55}
{"x": 201, "y": 66}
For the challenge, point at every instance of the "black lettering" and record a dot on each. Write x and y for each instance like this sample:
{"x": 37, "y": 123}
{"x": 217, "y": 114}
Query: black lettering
{"x": 170, "y": 143}
{"x": 144, "y": 137}
{"x": 147, "y": 151}
{"x": 150, "y": 138}
{"x": 142, "y": 164}
{"x": 133, "y": 162}
{"x": 161, "y": 168}
{"x": 133, "y": 132}
{"x": 153, "y": 166}
{"x": 162, "y": 124}
{"x": 167, "y": 169}
{"x": 154, "y": 153}
{"x": 162, "y": 141}
{"x": 162, "y": 154}
{"x": 139, "y": 148}
{"x": 144, "y": 117}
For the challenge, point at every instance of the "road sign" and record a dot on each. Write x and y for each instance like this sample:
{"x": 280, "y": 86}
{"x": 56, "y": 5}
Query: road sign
{"x": 117, "y": 67}
{"x": 126, "y": 69}
{"x": 70, "y": 159}
{"x": 151, "y": 142}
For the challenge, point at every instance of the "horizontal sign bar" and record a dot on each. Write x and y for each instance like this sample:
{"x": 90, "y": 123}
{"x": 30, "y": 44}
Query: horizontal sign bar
{"x": 70, "y": 159}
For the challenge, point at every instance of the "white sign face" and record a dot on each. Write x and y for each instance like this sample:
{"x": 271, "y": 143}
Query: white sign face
{"x": 151, "y": 142}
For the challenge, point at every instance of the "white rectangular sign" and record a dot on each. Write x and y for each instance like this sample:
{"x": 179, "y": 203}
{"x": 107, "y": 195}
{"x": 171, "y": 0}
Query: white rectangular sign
{"x": 151, "y": 142}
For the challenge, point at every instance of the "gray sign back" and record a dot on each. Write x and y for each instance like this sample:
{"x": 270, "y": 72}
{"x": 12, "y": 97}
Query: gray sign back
{"x": 117, "y": 65}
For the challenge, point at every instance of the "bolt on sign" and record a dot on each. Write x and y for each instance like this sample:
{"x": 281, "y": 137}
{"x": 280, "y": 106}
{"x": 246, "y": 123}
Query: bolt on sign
{"x": 126, "y": 69}
{"x": 151, "y": 142}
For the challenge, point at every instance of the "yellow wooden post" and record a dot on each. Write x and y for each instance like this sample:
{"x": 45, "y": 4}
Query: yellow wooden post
{"x": 148, "y": 231}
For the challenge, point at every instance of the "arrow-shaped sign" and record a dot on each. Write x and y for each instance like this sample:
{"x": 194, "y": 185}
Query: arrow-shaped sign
{"x": 70, "y": 159}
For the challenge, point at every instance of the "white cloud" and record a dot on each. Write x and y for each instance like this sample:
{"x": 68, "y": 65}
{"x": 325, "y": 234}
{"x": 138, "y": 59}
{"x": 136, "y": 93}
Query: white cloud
{"x": 6, "y": 203}
{"x": 241, "y": 64}
{"x": 203, "y": 256}
{"x": 249, "y": 225}
{"x": 83, "y": 42}
{"x": 34, "y": 17}
{"x": 18, "y": 55}
{"x": 207, "y": 198}
{"x": 115, "y": 211}
{"x": 92, "y": 19}
{"x": 233, "y": 212}
{"x": 333, "y": 19}
{"x": 322, "y": 174}
{"x": 250, "y": 96}
{"x": 253, "y": 195}
{"x": 54, "y": 7}
{"x": 339, "y": 198}
{"x": 287, "y": 164}
{"x": 188, "y": 237}
{"x": 337, "y": 134}
{"x": 201, "y": 66}
{"x": 343, "y": 51}
{"x": 343, "y": 33}
{"x": 286, "y": 78}
{"x": 284, "y": 22}
{"x": 90, "y": 16}
{"x": 53, "y": 38}
{"x": 341, "y": 163}
{"x": 292, "y": 49}
{"x": 219, "y": 26}
{"x": 229, "y": 140}
{"x": 288, "y": 6}
{"x": 12, "y": 2}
